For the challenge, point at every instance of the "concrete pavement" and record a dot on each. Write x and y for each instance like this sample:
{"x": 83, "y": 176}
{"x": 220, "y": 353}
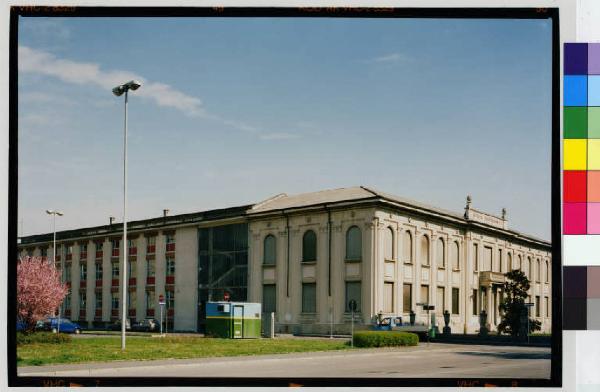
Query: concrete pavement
{"x": 435, "y": 360}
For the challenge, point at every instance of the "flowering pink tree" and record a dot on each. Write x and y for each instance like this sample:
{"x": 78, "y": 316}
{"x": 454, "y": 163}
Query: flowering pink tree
{"x": 39, "y": 291}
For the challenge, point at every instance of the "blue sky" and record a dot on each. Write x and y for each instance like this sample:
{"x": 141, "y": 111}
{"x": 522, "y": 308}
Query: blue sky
{"x": 233, "y": 111}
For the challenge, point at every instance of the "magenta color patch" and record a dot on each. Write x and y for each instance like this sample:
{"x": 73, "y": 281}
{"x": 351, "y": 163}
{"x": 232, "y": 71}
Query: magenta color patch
{"x": 593, "y": 218}
{"x": 574, "y": 218}
{"x": 594, "y": 59}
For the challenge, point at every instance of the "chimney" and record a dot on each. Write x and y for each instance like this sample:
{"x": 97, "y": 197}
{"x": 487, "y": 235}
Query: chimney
{"x": 165, "y": 212}
{"x": 111, "y": 220}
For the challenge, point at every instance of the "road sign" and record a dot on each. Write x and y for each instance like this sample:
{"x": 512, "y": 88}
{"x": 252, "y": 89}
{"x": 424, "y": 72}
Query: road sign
{"x": 226, "y": 296}
{"x": 161, "y": 299}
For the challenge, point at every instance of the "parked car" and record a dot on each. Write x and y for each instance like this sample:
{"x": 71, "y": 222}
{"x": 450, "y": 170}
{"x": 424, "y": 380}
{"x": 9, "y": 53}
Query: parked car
{"x": 66, "y": 325}
{"x": 116, "y": 326}
{"x": 146, "y": 325}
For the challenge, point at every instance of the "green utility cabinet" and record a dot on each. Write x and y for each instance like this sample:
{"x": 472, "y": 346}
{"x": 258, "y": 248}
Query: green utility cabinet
{"x": 234, "y": 320}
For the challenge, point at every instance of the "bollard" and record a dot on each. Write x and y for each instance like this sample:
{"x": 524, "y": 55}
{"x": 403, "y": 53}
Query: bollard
{"x": 272, "y": 334}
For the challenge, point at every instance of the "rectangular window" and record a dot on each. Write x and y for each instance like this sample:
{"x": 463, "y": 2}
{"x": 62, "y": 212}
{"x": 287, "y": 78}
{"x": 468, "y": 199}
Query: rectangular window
{"x": 269, "y": 298}
{"x": 425, "y": 293}
{"x": 170, "y": 238}
{"x": 151, "y": 245}
{"x": 98, "y": 300}
{"x": 115, "y": 270}
{"x": 487, "y": 258}
{"x": 68, "y": 301}
{"x": 68, "y": 272}
{"x": 500, "y": 260}
{"x": 83, "y": 251}
{"x": 114, "y": 301}
{"x": 115, "y": 244}
{"x": 537, "y": 306}
{"x": 455, "y": 299}
{"x": 170, "y": 266}
{"x": 132, "y": 300}
{"x": 309, "y": 297}
{"x": 475, "y": 302}
{"x": 132, "y": 269}
{"x": 388, "y": 297}
{"x": 83, "y": 272}
{"x": 353, "y": 292}
{"x": 170, "y": 294}
{"x": 82, "y": 300}
{"x": 98, "y": 271}
{"x": 440, "y": 305}
{"x": 149, "y": 299}
{"x": 152, "y": 240}
{"x": 475, "y": 257}
{"x": 547, "y": 306}
{"x": 99, "y": 248}
{"x": 407, "y": 297}
{"x": 150, "y": 268}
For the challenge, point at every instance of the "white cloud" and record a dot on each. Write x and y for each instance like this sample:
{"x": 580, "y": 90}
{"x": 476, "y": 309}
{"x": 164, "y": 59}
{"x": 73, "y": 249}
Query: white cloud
{"x": 389, "y": 58}
{"x": 44, "y": 63}
{"x": 278, "y": 136}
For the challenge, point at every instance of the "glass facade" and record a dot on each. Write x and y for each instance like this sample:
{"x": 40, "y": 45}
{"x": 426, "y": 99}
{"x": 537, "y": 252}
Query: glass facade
{"x": 222, "y": 265}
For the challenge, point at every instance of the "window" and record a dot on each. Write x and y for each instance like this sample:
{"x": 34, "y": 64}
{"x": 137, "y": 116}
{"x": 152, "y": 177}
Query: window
{"x": 83, "y": 272}
{"x": 424, "y": 250}
{"x": 170, "y": 238}
{"x": 68, "y": 301}
{"x": 151, "y": 240}
{"x": 131, "y": 300}
{"x": 407, "y": 297}
{"x": 537, "y": 306}
{"x": 353, "y": 292}
{"x": 440, "y": 253}
{"x": 475, "y": 257}
{"x": 538, "y": 274}
{"x": 407, "y": 247}
{"x": 150, "y": 268}
{"x": 69, "y": 249}
{"x": 440, "y": 305}
{"x": 98, "y": 271}
{"x": 132, "y": 269}
{"x": 115, "y": 270}
{"x": 269, "y": 256}
{"x": 500, "y": 268}
{"x": 530, "y": 268}
{"x": 170, "y": 266}
{"x": 547, "y": 306}
{"x": 98, "y": 300}
{"x": 170, "y": 294}
{"x": 99, "y": 246}
{"x": 487, "y": 258}
{"x": 388, "y": 297}
{"x": 83, "y": 251}
{"x": 115, "y": 244}
{"x": 114, "y": 301}
{"x": 68, "y": 272}
{"x": 353, "y": 244}
{"x": 424, "y": 294}
{"x": 509, "y": 261}
{"x": 475, "y": 302}
{"x": 547, "y": 272}
{"x": 269, "y": 298}
{"x": 309, "y": 246}
{"x": 455, "y": 299}
{"x": 151, "y": 244}
{"x": 149, "y": 299}
{"x": 389, "y": 244}
{"x": 519, "y": 262}
{"x": 82, "y": 300}
{"x": 309, "y": 297}
{"x": 454, "y": 256}
{"x": 131, "y": 243}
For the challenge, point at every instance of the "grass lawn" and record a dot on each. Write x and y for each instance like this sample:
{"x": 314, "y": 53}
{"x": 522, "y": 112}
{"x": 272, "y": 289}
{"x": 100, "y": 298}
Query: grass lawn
{"x": 146, "y": 348}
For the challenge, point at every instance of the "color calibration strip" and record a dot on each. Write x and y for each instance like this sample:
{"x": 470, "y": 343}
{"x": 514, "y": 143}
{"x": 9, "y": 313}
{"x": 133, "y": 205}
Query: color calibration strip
{"x": 581, "y": 298}
{"x": 581, "y": 134}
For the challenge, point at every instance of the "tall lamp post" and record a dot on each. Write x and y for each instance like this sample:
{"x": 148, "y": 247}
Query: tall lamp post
{"x": 118, "y": 91}
{"x": 54, "y": 213}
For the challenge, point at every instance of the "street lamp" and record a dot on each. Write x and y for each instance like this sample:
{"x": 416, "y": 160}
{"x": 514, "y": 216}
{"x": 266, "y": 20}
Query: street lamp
{"x": 118, "y": 91}
{"x": 54, "y": 213}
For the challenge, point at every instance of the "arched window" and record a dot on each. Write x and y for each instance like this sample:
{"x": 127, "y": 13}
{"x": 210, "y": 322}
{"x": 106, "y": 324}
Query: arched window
{"x": 547, "y": 271}
{"x": 407, "y": 247}
{"x": 530, "y": 268}
{"x": 440, "y": 253}
{"x": 509, "y": 261}
{"x": 519, "y": 263}
{"x": 424, "y": 250}
{"x": 270, "y": 247}
{"x": 353, "y": 244}
{"x": 309, "y": 246}
{"x": 454, "y": 256}
{"x": 389, "y": 244}
{"x": 538, "y": 274}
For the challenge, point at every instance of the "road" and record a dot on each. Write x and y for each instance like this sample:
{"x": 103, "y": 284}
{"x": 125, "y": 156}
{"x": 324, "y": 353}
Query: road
{"x": 435, "y": 360}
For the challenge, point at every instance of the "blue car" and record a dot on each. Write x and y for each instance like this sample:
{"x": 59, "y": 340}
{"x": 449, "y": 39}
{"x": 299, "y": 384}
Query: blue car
{"x": 66, "y": 325}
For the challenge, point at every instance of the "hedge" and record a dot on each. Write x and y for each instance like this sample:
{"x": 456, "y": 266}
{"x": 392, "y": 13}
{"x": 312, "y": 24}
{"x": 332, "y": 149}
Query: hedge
{"x": 384, "y": 338}
{"x": 42, "y": 337}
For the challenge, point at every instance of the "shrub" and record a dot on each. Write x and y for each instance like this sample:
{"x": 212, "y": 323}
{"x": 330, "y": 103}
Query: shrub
{"x": 42, "y": 337}
{"x": 384, "y": 338}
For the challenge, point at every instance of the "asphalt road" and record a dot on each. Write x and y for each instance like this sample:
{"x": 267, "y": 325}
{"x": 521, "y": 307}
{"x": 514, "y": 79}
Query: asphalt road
{"x": 435, "y": 360}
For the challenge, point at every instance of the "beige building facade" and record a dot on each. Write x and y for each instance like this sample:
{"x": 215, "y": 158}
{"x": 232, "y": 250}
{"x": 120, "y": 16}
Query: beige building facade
{"x": 305, "y": 257}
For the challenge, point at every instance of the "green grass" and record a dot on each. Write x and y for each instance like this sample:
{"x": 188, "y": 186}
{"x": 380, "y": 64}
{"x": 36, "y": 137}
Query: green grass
{"x": 146, "y": 348}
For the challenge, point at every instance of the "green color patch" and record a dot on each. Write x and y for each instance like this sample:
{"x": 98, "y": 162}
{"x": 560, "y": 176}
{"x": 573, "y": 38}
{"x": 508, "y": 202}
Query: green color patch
{"x": 594, "y": 122}
{"x": 575, "y": 123}
{"x": 225, "y": 327}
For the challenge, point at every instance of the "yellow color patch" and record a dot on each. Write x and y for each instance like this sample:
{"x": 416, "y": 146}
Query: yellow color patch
{"x": 575, "y": 154}
{"x": 593, "y": 154}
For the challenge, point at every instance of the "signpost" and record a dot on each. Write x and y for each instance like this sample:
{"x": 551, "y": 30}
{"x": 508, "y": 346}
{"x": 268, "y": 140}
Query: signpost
{"x": 352, "y": 306}
{"x": 226, "y": 296}
{"x": 529, "y": 305}
{"x": 427, "y": 307}
{"x": 161, "y": 302}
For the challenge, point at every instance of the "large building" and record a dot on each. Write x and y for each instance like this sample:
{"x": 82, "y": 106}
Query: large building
{"x": 304, "y": 257}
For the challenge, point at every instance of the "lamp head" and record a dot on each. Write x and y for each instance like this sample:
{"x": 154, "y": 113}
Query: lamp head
{"x": 118, "y": 91}
{"x": 49, "y": 212}
{"x": 133, "y": 85}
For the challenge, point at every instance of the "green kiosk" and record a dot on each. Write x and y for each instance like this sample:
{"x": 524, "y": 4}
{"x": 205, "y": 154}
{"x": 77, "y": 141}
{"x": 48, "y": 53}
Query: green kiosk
{"x": 234, "y": 320}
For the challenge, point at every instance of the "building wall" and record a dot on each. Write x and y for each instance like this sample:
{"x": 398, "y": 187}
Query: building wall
{"x": 186, "y": 279}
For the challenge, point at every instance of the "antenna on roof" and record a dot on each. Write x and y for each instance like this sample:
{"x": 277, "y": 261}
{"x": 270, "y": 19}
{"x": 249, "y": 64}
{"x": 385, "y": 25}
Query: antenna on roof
{"x": 111, "y": 219}
{"x": 165, "y": 212}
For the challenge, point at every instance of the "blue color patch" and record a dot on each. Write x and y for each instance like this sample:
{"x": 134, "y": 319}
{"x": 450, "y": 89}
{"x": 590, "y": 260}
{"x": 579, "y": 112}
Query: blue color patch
{"x": 575, "y": 90}
{"x": 594, "y": 90}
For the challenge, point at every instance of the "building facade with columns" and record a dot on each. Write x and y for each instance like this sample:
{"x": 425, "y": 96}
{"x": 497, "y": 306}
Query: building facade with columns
{"x": 304, "y": 257}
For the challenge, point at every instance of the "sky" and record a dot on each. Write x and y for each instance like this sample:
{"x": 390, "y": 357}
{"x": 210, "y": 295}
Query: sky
{"x": 233, "y": 111}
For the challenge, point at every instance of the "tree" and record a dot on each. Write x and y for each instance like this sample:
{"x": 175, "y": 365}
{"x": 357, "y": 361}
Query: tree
{"x": 39, "y": 290}
{"x": 513, "y": 304}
